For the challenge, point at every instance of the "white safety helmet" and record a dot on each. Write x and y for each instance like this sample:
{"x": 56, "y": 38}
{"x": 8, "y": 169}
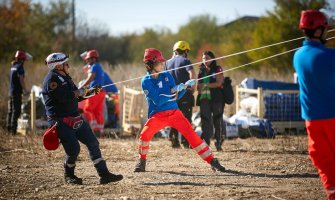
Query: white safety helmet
{"x": 55, "y": 59}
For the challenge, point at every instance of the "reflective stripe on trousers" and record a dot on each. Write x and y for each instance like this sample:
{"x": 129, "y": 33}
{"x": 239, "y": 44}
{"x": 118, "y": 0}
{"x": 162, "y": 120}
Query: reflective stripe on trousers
{"x": 175, "y": 119}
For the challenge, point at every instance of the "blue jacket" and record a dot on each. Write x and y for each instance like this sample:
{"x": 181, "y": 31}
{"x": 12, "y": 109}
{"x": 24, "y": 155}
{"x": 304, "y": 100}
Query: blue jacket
{"x": 108, "y": 81}
{"x": 315, "y": 67}
{"x": 99, "y": 75}
{"x": 155, "y": 89}
{"x": 58, "y": 95}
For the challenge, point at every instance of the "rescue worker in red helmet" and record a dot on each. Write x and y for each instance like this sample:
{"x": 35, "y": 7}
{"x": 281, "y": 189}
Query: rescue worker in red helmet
{"x": 61, "y": 98}
{"x": 94, "y": 107}
{"x": 315, "y": 66}
{"x": 17, "y": 88}
{"x": 180, "y": 67}
{"x": 161, "y": 94}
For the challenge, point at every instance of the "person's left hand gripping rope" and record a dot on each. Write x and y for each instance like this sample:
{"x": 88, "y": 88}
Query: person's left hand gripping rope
{"x": 190, "y": 82}
{"x": 179, "y": 88}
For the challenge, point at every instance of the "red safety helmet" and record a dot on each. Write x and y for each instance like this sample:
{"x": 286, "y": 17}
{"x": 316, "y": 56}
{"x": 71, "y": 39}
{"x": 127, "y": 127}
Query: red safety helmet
{"x": 92, "y": 54}
{"x": 50, "y": 138}
{"x": 22, "y": 55}
{"x": 154, "y": 55}
{"x": 312, "y": 19}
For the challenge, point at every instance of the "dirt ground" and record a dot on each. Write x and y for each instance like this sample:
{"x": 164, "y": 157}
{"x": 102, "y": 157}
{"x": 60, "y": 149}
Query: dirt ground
{"x": 257, "y": 169}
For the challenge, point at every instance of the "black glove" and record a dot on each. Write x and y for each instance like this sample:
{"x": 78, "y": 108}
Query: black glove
{"x": 94, "y": 90}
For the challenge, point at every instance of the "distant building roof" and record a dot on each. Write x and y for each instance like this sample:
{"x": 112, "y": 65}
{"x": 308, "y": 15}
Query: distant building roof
{"x": 242, "y": 19}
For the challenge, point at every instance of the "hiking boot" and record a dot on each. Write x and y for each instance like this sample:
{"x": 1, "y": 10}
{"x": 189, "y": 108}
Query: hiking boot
{"x": 218, "y": 146}
{"x": 140, "y": 166}
{"x": 110, "y": 177}
{"x": 186, "y": 145}
{"x": 216, "y": 166}
{"x": 175, "y": 144}
{"x": 73, "y": 179}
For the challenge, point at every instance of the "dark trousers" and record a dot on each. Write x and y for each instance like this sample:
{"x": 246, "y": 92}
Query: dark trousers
{"x": 212, "y": 121}
{"x": 14, "y": 112}
{"x": 70, "y": 138}
{"x": 185, "y": 105}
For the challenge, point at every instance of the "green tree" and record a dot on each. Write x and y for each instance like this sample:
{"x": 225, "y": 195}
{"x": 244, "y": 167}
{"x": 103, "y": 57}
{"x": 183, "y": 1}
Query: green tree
{"x": 280, "y": 25}
{"x": 200, "y": 30}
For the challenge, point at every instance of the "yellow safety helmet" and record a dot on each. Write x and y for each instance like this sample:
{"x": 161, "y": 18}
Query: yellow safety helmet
{"x": 182, "y": 45}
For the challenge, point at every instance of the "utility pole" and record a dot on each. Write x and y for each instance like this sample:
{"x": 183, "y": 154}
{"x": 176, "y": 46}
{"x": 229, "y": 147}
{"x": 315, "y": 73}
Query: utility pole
{"x": 73, "y": 23}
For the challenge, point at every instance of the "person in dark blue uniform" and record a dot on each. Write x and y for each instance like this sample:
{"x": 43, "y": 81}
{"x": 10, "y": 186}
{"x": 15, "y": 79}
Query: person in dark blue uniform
{"x": 61, "y": 98}
{"x": 17, "y": 88}
{"x": 182, "y": 74}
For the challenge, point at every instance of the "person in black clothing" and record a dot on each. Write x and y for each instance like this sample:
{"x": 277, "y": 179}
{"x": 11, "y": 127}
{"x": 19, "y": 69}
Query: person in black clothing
{"x": 211, "y": 99}
{"x": 61, "y": 98}
{"x": 182, "y": 74}
{"x": 17, "y": 88}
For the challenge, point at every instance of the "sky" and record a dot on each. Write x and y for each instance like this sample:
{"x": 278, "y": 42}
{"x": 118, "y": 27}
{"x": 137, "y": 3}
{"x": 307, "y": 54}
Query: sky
{"x": 129, "y": 16}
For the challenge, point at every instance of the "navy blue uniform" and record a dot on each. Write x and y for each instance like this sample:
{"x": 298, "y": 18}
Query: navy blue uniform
{"x": 15, "y": 96}
{"x": 180, "y": 74}
{"x": 61, "y": 105}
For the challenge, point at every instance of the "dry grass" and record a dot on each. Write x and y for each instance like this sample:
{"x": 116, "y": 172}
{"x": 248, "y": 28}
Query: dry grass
{"x": 35, "y": 72}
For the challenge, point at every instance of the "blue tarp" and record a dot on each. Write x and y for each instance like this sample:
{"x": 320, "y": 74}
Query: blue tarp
{"x": 252, "y": 83}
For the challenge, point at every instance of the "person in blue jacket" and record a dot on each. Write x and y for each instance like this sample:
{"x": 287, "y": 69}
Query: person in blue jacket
{"x": 61, "y": 98}
{"x": 315, "y": 67}
{"x": 161, "y": 94}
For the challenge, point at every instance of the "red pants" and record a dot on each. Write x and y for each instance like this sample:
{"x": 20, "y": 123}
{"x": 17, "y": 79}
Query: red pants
{"x": 321, "y": 148}
{"x": 175, "y": 119}
{"x": 94, "y": 111}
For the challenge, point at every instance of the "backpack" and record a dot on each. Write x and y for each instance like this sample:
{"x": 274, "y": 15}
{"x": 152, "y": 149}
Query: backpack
{"x": 227, "y": 91}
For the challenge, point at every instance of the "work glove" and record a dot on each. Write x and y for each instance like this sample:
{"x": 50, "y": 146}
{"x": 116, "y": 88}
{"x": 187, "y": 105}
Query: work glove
{"x": 178, "y": 88}
{"x": 190, "y": 83}
{"x": 94, "y": 90}
{"x": 83, "y": 91}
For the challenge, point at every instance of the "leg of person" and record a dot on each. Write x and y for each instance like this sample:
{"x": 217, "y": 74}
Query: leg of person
{"x": 152, "y": 126}
{"x": 88, "y": 110}
{"x": 200, "y": 146}
{"x": 71, "y": 146}
{"x": 186, "y": 108}
{"x": 173, "y": 137}
{"x": 99, "y": 112}
{"x": 10, "y": 114}
{"x": 86, "y": 136}
{"x": 206, "y": 121}
{"x": 17, "y": 101}
{"x": 321, "y": 148}
{"x": 217, "y": 110}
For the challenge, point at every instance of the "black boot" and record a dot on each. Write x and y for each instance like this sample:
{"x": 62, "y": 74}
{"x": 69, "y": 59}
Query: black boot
{"x": 218, "y": 146}
{"x": 69, "y": 176}
{"x": 216, "y": 166}
{"x": 110, "y": 177}
{"x": 175, "y": 144}
{"x": 140, "y": 166}
{"x": 72, "y": 179}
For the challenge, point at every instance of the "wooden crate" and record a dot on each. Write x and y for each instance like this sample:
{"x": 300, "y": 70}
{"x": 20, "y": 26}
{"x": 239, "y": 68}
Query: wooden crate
{"x": 133, "y": 108}
{"x": 279, "y": 126}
